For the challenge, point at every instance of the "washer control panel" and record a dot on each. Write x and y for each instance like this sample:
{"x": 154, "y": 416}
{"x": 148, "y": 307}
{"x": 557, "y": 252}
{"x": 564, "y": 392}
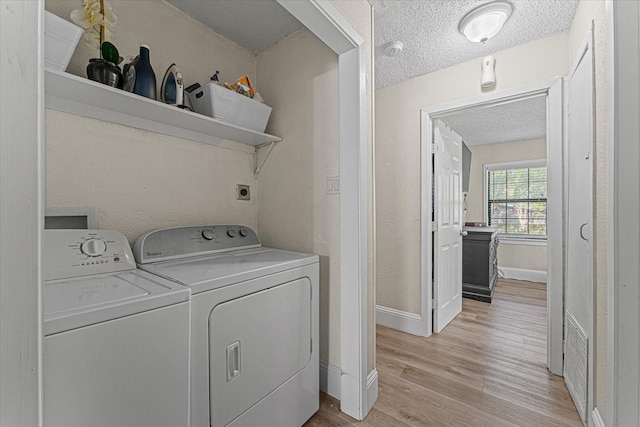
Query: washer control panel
{"x": 180, "y": 242}
{"x": 76, "y": 253}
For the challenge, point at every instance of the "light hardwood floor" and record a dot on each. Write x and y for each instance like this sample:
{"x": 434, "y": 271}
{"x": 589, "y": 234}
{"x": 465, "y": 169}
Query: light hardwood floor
{"x": 487, "y": 368}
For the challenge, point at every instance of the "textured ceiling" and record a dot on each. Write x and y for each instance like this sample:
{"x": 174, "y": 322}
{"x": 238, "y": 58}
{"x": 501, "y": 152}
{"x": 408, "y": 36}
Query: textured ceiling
{"x": 252, "y": 24}
{"x": 427, "y": 28}
{"x": 429, "y": 31}
{"x": 514, "y": 121}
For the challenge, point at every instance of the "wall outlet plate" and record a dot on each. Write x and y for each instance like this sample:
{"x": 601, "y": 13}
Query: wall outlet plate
{"x": 243, "y": 192}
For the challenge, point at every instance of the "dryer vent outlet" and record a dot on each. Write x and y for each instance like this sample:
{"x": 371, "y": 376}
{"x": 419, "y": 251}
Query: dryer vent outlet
{"x": 243, "y": 192}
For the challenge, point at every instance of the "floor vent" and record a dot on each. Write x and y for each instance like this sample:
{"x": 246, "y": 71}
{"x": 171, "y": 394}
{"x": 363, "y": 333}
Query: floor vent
{"x": 576, "y": 364}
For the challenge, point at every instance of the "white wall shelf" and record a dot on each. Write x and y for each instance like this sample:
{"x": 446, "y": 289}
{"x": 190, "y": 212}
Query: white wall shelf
{"x": 76, "y": 95}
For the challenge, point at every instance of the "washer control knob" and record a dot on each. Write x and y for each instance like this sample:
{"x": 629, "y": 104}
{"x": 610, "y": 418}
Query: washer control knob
{"x": 231, "y": 233}
{"x": 93, "y": 247}
{"x": 243, "y": 232}
{"x": 208, "y": 234}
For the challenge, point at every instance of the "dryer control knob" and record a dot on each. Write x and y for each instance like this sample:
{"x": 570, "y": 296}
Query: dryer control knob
{"x": 93, "y": 247}
{"x": 243, "y": 232}
{"x": 208, "y": 234}
{"x": 231, "y": 233}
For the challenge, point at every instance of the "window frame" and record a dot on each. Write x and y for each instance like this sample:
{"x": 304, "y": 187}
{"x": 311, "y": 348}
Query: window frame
{"x": 520, "y": 164}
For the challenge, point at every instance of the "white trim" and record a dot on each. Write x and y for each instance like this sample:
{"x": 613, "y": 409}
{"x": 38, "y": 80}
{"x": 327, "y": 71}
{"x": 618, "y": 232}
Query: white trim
{"x": 426, "y": 239}
{"x": 612, "y": 99}
{"x": 519, "y": 164}
{"x": 597, "y": 419}
{"x": 552, "y": 90}
{"x": 506, "y": 239}
{"x": 523, "y": 274}
{"x": 372, "y": 389}
{"x": 324, "y": 20}
{"x": 403, "y": 321}
{"x": 493, "y": 98}
{"x": 623, "y": 244}
{"x": 555, "y": 230}
{"x": 330, "y": 379}
{"x": 22, "y": 136}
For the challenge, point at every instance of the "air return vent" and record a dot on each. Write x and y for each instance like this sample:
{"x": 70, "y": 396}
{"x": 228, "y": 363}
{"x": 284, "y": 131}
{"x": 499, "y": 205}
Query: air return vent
{"x": 576, "y": 364}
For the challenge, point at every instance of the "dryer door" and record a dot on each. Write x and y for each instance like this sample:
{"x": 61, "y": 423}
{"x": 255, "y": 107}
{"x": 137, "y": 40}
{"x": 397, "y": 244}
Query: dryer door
{"x": 256, "y": 343}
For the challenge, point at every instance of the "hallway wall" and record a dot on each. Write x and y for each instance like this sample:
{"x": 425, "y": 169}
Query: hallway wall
{"x": 398, "y": 154}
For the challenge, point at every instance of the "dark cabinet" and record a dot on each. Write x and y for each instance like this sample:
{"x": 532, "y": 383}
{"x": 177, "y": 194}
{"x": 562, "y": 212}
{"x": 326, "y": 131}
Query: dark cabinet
{"x": 479, "y": 262}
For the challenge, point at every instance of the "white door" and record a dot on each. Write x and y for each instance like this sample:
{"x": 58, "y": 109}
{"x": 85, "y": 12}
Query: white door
{"x": 579, "y": 280}
{"x": 447, "y": 230}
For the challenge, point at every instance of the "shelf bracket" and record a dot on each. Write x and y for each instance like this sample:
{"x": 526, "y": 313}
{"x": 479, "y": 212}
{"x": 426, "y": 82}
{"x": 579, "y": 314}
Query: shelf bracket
{"x": 259, "y": 166}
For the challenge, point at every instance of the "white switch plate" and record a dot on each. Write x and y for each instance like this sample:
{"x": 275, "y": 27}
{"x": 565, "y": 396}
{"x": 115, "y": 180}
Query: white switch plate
{"x": 333, "y": 185}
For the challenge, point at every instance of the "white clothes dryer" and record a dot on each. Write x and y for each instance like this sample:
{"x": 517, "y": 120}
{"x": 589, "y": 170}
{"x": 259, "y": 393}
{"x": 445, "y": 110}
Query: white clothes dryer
{"x": 254, "y": 323}
{"x": 116, "y": 345}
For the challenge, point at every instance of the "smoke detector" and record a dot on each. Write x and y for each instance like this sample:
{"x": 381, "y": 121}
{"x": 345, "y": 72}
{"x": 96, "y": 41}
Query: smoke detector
{"x": 391, "y": 49}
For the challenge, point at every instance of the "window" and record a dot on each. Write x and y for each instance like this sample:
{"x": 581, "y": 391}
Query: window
{"x": 517, "y": 198}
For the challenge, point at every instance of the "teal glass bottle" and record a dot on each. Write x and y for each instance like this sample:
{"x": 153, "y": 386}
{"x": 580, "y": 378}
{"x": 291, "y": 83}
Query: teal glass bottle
{"x": 145, "y": 84}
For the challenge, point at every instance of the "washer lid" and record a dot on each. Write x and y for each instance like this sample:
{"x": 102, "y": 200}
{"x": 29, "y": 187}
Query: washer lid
{"x": 74, "y": 303}
{"x": 215, "y": 271}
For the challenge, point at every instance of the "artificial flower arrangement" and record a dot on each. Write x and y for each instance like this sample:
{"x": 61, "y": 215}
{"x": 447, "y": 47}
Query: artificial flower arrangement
{"x": 97, "y": 19}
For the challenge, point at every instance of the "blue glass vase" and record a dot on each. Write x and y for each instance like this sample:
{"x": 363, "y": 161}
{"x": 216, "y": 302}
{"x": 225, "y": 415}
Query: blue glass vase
{"x": 145, "y": 84}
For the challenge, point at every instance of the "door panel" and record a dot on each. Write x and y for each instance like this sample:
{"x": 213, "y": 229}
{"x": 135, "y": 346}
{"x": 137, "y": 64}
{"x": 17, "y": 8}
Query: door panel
{"x": 579, "y": 285}
{"x": 257, "y": 343}
{"x": 447, "y": 238}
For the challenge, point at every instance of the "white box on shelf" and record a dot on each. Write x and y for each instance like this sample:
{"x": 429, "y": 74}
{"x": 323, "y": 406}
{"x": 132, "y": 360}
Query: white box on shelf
{"x": 226, "y": 105}
{"x": 60, "y": 40}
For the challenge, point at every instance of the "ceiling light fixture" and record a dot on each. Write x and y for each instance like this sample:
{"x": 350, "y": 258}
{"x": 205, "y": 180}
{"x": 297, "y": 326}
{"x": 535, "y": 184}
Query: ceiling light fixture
{"x": 484, "y": 22}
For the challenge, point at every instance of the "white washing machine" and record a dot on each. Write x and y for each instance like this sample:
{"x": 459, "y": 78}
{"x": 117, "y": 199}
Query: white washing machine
{"x": 254, "y": 323}
{"x": 116, "y": 345}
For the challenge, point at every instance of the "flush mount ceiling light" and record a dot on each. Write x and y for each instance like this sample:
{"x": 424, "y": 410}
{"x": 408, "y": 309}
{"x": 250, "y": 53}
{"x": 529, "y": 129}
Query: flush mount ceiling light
{"x": 485, "y": 21}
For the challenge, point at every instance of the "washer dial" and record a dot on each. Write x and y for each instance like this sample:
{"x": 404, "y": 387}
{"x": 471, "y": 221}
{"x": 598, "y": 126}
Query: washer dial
{"x": 208, "y": 234}
{"x": 93, "y": 247}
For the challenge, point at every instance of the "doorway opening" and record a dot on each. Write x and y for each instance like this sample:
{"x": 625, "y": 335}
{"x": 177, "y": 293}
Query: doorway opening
{"x": 547, "y": 96}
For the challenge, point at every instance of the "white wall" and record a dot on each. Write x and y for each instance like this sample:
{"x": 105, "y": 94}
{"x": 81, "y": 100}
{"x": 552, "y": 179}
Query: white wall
{"x": 510, "y": 255}
{"x": 172, "y": 36}
{"x": 398, "y": 154}
{"x": 180, "y": 182}
{"x": 141, "y": 180}
{"x": 295, "y": 211}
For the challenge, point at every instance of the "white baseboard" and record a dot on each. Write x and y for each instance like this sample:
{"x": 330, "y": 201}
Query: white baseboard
{"x": 523, "y": 274}
{"x": 596, "y": 418}
{"x": 330, "y": 377}
{"x": 401, "y": 320}
{"x": 372, "y": 389}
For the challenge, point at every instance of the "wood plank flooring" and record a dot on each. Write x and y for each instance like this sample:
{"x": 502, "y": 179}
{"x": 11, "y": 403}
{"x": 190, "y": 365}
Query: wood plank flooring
{"x": 487, "y": 368}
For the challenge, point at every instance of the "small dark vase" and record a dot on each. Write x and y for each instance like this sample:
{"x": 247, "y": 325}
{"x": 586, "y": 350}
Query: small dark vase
{"x": 105, "y": 72}
{"x": 145, "y": 76}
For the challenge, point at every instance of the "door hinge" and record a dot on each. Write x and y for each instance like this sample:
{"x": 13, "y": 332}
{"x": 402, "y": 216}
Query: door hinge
{"x": 434, "y": 148}
{"x": 434, "y": 226}
{"x": 434, "y": 304}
